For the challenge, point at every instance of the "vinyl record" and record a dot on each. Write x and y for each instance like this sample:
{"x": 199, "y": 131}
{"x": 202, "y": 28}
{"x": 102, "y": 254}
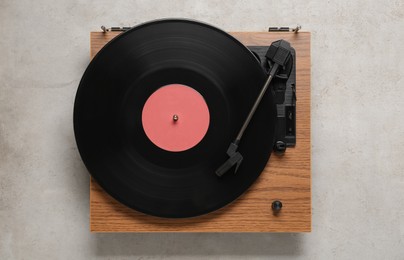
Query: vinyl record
{"x": 133, "y": 82}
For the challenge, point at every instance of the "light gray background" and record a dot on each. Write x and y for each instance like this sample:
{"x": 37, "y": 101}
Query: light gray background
{"x": 357, "y": 130}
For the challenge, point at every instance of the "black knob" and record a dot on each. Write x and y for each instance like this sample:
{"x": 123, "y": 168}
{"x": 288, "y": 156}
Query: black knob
{"x": 276, "y": 206}
{"x": 280, "y": 147}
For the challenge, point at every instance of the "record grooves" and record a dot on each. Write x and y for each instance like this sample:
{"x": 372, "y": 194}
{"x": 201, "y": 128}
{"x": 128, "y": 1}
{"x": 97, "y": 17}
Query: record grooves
{"x": 108, "y": 117}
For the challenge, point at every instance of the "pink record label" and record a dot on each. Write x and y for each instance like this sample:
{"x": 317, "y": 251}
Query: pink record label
{"x": 175, "y": 117}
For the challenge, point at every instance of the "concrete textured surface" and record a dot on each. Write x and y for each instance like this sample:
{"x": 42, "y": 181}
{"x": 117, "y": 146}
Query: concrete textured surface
{"x": 357, "y": 130}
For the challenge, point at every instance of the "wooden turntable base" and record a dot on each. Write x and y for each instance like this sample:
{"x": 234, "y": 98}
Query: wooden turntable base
{"x": 286, "y": 178}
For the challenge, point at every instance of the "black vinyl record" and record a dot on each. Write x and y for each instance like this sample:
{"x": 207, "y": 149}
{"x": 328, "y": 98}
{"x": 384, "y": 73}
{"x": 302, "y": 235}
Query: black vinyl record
{"x": 108, "y": 109}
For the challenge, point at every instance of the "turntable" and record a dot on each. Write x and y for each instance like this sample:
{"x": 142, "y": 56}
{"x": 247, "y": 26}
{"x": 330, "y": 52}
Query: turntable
{"x": 186, "y": 128}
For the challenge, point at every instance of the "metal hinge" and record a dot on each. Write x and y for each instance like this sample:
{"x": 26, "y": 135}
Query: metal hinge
{"x": 114, "y": 29}
{"x": 285, "y": 29}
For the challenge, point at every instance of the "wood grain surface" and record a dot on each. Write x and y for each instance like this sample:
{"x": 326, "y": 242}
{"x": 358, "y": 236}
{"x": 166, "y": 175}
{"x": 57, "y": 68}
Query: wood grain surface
{"x": 286, "y": 178}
